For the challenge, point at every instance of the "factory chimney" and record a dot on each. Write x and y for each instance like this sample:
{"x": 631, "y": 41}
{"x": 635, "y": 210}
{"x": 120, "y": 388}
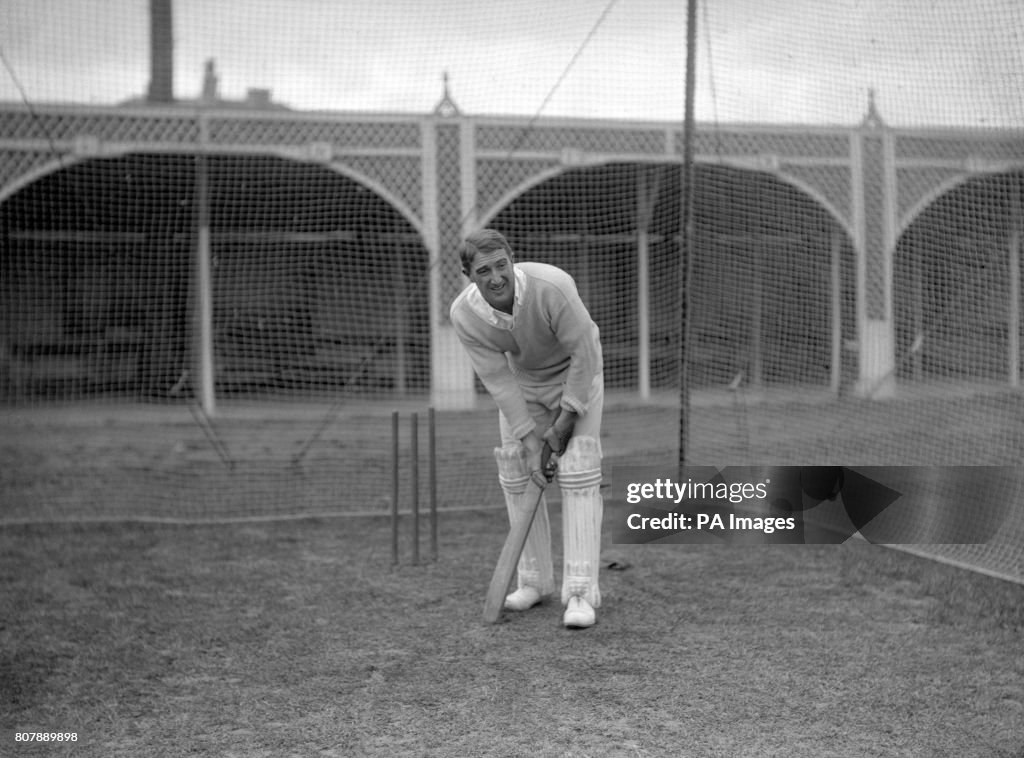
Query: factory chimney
{"x": 161, "y": 51}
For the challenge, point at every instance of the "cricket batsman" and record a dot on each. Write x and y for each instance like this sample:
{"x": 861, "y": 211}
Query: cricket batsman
{"x": 537, "y": 351}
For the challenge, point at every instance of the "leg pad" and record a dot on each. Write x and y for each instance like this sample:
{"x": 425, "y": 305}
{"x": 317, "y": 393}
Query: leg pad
{"x": 535, "y": 567}
{"x": 579, "y": 476}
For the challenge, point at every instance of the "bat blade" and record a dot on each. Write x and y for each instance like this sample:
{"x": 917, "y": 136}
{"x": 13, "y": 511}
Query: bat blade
{"x": 505, "y": 569}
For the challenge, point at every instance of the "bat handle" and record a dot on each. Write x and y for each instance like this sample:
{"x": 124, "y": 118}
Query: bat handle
{"x": 547, "y": 466}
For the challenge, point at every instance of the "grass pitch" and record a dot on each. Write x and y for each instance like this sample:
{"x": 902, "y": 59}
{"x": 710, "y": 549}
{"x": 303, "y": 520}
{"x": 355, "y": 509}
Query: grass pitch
{"x": 299, "y": 638}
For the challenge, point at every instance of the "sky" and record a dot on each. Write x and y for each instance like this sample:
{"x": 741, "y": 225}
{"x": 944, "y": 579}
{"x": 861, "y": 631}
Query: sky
{"x": 930, "y": 62}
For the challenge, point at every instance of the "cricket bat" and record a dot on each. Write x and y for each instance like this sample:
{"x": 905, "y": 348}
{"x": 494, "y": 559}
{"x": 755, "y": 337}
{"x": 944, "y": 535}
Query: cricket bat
{"x": 505, "y": 569}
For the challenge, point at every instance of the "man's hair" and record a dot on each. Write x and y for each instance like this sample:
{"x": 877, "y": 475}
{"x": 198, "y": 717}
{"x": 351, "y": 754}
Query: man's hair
{"x": 482, "y": 241}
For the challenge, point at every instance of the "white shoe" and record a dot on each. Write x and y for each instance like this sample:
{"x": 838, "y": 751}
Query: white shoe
{"x": 579, "y": 614}
{"x": 522, "y": 599}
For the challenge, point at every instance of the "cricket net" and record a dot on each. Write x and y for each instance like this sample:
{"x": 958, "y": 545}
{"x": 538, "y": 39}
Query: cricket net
{"x": 213, "y": 297}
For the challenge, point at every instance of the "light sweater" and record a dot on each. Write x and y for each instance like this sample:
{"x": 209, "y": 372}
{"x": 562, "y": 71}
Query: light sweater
{"x": 548, "y": 341}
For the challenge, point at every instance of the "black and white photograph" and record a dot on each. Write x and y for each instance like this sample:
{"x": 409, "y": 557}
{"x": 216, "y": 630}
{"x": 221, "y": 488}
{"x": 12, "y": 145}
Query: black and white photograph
{"x": 548, "y": 378}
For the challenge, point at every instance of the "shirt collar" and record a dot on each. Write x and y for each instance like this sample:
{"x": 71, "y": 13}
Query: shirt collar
{"x": 495, "y": 317}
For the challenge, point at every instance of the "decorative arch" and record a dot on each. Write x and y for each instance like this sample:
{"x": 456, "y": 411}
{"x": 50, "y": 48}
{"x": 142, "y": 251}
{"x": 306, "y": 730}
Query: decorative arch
{"x": 843, "y": 220}
{"x": 602, "y": 239}
{"x": 380, "y": 190}
{"x": 945, "y": 186}
{"x": 522, "y": 188}
{"x": 36, "y": 173}
{"x": 277, "y": 322}
{"x": 956, "y": 281}
{"x": 819, "y": 197}
{"x": 66, "y": 161}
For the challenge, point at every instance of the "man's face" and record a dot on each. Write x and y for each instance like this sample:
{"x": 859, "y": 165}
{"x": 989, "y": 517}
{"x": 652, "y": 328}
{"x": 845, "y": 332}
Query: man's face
{"x": 492, "y": 273}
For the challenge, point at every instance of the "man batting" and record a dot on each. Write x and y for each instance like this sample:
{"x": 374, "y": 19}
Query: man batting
{"x": 537, "y": 351}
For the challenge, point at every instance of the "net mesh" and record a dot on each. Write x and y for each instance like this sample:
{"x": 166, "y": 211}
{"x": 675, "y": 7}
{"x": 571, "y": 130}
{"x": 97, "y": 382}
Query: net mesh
{"x": 856, "y": 240}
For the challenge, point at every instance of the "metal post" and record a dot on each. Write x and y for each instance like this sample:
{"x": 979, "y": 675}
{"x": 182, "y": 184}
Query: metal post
{"x": 203, "y": 383}
{"x": 1013, "y": 251}
{"x": 432, "y": 461}
{"x": 835, "y": 252}
{"x": 414, "y": 455}
{"x": 760, "y": 250}
{"x": 643, "y": 307}
{"x": 394, "y": 487}
{"x": 646, "y": 196}
{"x": 685, "y": 264}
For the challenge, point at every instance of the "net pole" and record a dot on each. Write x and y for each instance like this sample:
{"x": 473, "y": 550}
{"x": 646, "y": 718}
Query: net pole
{"x": 1013, "y": 252}
{"x": 395, "y": 451}
{"x": 644, "y": 212}
{"x": 685, "y": 263}
{"x": 836, "y": 311}
{"x": 414, "y": 455}
{"x": 203, "y": 368}
{"x": 432, "y": 474}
